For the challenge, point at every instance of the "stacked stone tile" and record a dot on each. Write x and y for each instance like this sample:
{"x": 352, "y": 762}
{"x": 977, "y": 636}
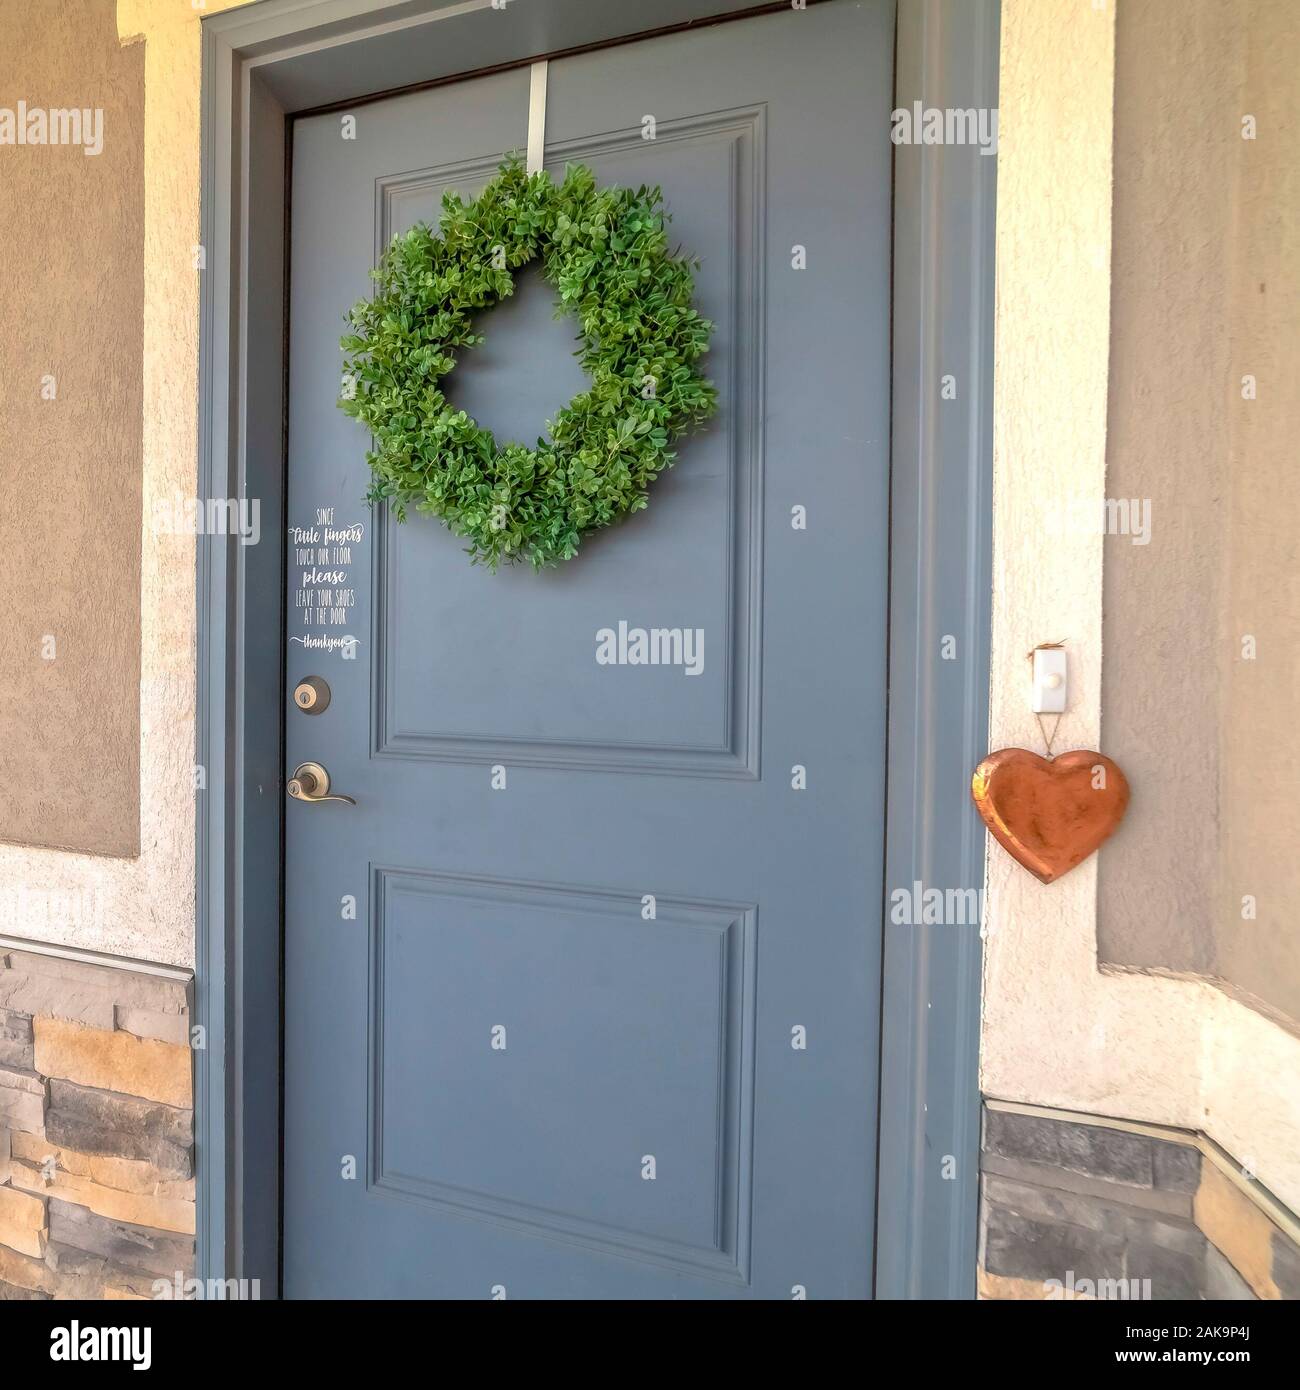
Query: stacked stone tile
{"x": 96, "y": 1130}
{"x": 1071, "y": 1208}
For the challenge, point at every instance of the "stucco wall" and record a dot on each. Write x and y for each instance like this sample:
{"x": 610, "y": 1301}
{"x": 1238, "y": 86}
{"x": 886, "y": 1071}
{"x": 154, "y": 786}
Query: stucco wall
{"x": 72, "y": 224}
{"x": 1206, "y": 291}
{"x": 144, "y": 907}
{"x": 1057, "y": 1031}
{"x": 1259, "y": 741}
{"x": 1167, "y": 442}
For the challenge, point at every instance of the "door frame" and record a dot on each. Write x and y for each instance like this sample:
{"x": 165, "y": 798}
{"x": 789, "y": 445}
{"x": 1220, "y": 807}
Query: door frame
{"x": 269, "y": 61}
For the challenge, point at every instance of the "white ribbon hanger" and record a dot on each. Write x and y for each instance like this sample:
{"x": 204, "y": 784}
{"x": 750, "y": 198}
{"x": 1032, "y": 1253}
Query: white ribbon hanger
{"x": 537, "y": 116}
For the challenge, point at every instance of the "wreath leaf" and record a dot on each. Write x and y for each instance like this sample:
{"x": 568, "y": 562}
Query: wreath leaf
{"x": 605, "y": 253}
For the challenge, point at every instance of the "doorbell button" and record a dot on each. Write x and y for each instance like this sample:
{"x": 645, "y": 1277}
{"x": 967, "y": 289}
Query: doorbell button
{"x": 1049, "y": 681}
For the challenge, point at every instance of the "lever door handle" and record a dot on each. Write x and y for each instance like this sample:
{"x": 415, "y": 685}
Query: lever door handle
{"x": 310, "y": 782}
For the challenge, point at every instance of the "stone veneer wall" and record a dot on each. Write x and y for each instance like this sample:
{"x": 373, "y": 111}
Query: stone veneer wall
{"x": 96, "y": 1130}
{"x": 1085, "y": 1202}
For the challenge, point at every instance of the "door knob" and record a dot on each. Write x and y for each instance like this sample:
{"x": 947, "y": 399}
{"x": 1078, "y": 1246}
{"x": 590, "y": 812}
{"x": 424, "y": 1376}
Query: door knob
{"x": 310, "y": 782}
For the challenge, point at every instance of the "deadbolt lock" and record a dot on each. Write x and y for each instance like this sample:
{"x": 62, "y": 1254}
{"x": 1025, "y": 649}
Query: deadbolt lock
{"x": 311, "y": 695}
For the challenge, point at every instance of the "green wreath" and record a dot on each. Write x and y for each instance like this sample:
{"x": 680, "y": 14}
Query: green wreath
{"x": 605, "y": 252}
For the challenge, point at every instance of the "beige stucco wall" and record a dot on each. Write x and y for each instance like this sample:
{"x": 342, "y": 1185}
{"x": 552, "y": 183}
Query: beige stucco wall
{"x": 144, "y": 907}
{"x": 1057, "y": 1031}
{"x": 71, "y": 224}
{"x": 1206, "y": 290}
{"x": 1259, "y": 742}
{"x": 1168, "y": 416}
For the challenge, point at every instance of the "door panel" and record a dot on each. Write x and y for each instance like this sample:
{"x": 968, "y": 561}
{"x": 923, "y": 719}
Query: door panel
{"x": 568, "y": 969}
{"x": 544, "y": 1084}
{"x": 667, "y": 570}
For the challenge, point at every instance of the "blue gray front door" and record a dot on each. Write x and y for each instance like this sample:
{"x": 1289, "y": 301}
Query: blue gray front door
{"x": 582, "y": 993}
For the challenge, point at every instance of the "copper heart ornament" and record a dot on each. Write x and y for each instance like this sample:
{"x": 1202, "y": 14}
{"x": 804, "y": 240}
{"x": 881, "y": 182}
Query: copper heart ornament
{"x": 1049, "y": 814}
